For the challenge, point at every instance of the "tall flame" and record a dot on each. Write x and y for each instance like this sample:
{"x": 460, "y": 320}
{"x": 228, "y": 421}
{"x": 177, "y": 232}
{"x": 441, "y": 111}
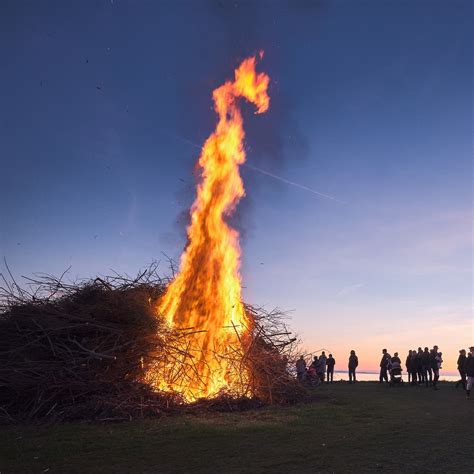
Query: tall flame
{"x": 205, "y": 297}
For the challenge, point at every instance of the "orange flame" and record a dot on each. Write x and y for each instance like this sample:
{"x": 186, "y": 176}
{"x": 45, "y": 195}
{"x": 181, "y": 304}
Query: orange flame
{"x": 205, "y": 297}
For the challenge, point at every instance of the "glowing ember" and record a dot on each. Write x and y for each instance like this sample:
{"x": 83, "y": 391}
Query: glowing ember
{"x": 205, "y": 297}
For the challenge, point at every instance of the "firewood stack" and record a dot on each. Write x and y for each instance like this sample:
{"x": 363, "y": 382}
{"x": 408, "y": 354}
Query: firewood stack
{"x": 82, "y": 351}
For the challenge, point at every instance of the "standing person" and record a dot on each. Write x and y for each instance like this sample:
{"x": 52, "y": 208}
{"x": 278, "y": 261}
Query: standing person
{"x": 462, "y": 369}
{"x": 318, "y": 368}
{"x": 331, "y": 362}
{"x": 300, "y": 368}
{"x": 414, "y": 367}
{"x": 384, "y": 366}
{"x": 323, "y": 361}
{"x": 419, "y": 365}
{"x": 426, "y": 365}
{"x": 408, "y": 362}
{"x": 353, "y": 363}
{"x": 469, "y": 371}
{"x": 436, "y": 361}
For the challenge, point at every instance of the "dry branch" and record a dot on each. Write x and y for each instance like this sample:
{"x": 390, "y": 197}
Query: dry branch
{"x": 83, "y": 351}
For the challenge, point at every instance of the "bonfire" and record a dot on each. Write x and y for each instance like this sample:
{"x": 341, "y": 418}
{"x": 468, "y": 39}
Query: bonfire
{"x": 119, "y": 347}
{"x": 205, "y": 297}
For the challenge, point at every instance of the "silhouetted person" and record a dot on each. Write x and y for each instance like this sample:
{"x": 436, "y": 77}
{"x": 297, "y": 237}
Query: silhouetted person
{"x": 330, "y": 363}
{"x": 384, "y": 366}
{"x": 408, "y": 363}
{"x": 323, "y": 361}
{"x": 419, "y": 365}
{"x": 426, "y": 365}
{"x": 300, "y": 368}
{"x": 469, "y": 371}
{"x": 353, "y": 363}
{"x": 316, "y": 367}
{"x": 414, "y": 367}
{"x": 394, "y": 362}
{"x": 436, "y": 361}
{"x": 462, "y": 369}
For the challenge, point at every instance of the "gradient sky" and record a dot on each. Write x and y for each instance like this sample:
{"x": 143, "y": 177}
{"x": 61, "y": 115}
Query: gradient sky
{"x": 104, "y": 102}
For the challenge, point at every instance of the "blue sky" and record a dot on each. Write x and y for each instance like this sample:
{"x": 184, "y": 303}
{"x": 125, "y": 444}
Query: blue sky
{"x": 371, "y": 103}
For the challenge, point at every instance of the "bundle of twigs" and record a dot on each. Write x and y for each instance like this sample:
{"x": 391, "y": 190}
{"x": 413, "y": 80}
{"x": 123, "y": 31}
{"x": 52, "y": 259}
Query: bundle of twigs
{"x": 81, "y": 351}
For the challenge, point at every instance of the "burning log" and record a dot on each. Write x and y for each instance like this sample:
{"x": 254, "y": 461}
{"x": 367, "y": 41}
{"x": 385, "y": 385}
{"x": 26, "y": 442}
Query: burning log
{"x": 85, "y": 350}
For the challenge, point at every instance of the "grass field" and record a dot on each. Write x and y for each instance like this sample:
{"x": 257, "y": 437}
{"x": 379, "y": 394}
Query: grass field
{"x": 350, "y": 428}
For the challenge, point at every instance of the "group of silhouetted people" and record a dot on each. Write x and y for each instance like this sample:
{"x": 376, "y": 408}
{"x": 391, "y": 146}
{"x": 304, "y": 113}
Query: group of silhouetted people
{"x": 422, "y": 365}
{"x": 321, "y": 368}
{"x": 466, "y": 370}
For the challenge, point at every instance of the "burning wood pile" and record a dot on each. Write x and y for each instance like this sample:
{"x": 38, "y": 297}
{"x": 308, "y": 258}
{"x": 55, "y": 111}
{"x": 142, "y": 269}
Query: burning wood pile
{"x": 121, "y": 347}
{"x": 85, "y": 351}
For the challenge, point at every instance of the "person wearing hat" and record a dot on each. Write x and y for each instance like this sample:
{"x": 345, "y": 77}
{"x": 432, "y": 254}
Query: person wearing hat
{"x": 469, "y": 371}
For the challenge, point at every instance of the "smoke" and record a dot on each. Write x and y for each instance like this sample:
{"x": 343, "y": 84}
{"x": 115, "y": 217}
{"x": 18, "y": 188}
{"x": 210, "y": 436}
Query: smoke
{"x": 235, "y": 30}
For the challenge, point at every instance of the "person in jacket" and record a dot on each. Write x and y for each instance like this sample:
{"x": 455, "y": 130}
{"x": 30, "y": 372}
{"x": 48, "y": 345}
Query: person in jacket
{"x": 408, "y": 365}
{"x": 330, "y": 363}
{"x": 414, "y": 367}
{"x": 395, "y": 361}
{"x": 316, "y": 368}
{"x": 322, "y": 362}
{"x": 419, "y": 365}
{"x": 300, "y": 368}
{"x": 384, "y": 366}
{"x": 314, "y": 371}
{"x": 462, "y": 369}
{"x": 426, "y": 365}
{"x": 353, "y": 363}
{"x": 469, "y": 366}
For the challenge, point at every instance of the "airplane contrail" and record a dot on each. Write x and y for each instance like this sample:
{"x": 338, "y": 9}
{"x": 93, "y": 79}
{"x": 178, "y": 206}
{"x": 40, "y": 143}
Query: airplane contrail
{"x": 271, "y": 175}
{"x": 292, "y": 183}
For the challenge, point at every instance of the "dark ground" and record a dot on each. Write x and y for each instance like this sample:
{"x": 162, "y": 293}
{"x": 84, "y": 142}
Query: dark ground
{"x": 350, "y": 428}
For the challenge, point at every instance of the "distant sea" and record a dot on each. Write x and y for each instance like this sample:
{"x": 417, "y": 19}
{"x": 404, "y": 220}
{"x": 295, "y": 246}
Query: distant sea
{"x": 374, "y": 376}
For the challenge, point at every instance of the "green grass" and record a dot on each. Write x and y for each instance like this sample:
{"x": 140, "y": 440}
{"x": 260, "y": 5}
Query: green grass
{"x": 352, "y": 428}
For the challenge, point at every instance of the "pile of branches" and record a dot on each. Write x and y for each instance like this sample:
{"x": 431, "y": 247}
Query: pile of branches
{"x": 81, "y": 350}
